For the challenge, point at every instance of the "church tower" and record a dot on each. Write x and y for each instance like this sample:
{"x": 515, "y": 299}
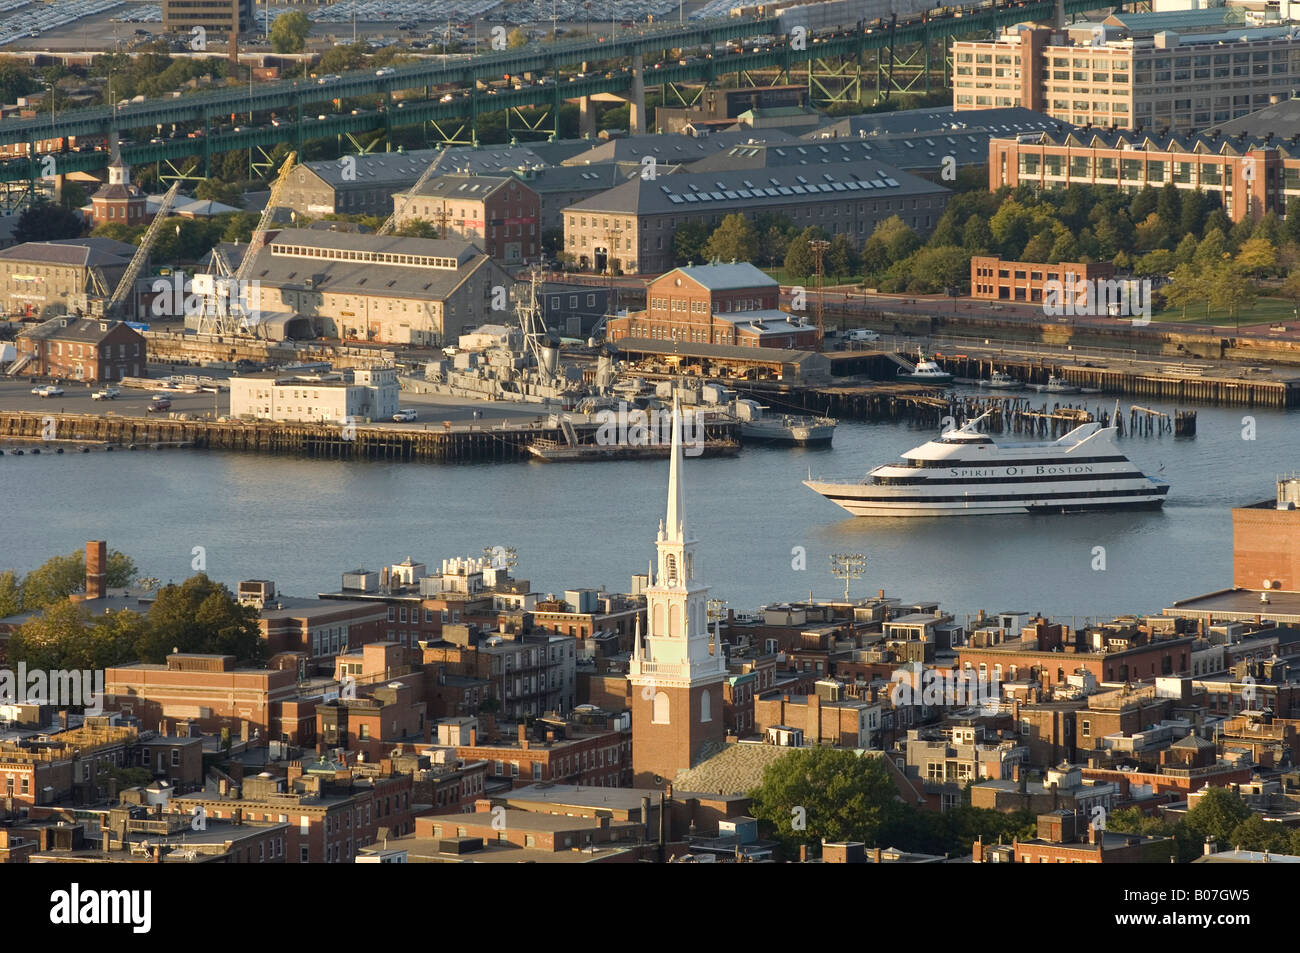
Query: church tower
{"x": 677, "y": 673}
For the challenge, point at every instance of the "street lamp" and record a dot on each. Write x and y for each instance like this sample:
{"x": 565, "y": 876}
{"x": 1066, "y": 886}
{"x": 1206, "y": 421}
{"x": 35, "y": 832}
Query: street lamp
{"x": 848, "y": 566}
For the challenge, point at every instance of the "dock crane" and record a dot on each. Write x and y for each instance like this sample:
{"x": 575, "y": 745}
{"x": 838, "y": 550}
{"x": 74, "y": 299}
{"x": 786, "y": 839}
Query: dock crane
{"x": 391, "y": 222}
{"x": 225, "y": 310}
{"x": 117, "y": 299}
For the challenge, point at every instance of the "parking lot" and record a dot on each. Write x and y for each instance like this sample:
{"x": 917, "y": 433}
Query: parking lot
{"x": 431, "y": 409}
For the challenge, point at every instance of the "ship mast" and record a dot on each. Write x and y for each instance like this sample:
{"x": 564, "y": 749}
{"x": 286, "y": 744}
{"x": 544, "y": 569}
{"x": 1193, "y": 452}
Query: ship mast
{"x": 528, "y": 311}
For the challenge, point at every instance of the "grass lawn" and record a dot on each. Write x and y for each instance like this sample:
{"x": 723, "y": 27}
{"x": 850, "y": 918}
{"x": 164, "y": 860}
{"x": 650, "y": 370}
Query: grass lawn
{"x": 1263, "y": 311}
{"x": 828, "y": 280}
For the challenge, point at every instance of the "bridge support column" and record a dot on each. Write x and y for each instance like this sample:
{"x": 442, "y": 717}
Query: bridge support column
{"x": 586, "y": 118}
{"x": 636, "y": 101}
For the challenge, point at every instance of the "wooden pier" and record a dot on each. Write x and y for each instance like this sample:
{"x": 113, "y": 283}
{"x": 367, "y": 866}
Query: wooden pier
{"x": 459, "y": 443}
{"x": 1173, "y": 382}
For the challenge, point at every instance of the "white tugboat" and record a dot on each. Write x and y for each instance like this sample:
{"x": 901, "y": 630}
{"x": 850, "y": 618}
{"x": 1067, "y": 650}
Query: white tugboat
{"x": 927, "y": 371}
{"x": 963, "y": 472}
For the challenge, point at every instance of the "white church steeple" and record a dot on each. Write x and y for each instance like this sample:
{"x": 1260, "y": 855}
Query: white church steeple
{"x": 676, "y": 604}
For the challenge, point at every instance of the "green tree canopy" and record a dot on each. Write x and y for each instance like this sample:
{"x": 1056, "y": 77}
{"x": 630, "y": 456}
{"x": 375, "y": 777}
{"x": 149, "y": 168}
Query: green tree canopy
{"x": 200, "y": 615}
{"x": 833, "y": 794}
{"x": 289, "y": 32}
{"x": 735, "y": 239}
{"x": 689, "y": 242}
{"x": 62, "y": 576}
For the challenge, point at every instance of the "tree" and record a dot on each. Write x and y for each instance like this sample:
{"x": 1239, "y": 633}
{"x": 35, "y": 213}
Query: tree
{"x": 1186, "y": 286}
{"x": 11, "y": 594}
{"x": 516, "y": 39}
{"x": 227, "y": 193}
{"x": 1231, "y": 288}
{"x": 340, "y": 59}
{"x": 800, "y": 263}
{"x": 830, "y": 793}
{"x": 1161, "y": 261}
{"x": 688, "y": 243}
{"x": 1217, "y": 814}
{"x": 1143, "y": 204}
{"x": 1195, "y": 208}
{"x": 65, "y": 636}
{"x": 1169, "y": 206}
{"x": 289, "y": 32}
{"x": 199, "y": 615}
{"x": 43, "y": 222}
{"x": 15, "y": 81}
{"x": 1255, "y": 833}
{"x": 841, "y": 257}
{"x": 774, "y": 243}
{"x": 735, "y": 239}
{"x": 1291, "y": 224}
{"x": 976, "y": 236}
{"x": 62, "y": 576}
{"x": 1213, "y": 248}
{"x": 1257, "y": 256}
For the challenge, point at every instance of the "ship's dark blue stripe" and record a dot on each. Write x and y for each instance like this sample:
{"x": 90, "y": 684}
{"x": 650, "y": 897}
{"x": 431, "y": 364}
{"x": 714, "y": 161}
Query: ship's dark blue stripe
{"x": 978, "y": 481}
{"x": 1002, "y": 497}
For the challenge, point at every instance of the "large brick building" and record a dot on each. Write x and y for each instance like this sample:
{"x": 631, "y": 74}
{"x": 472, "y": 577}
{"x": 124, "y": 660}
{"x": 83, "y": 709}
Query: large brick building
{"x": 49, "y": 278}
{"x": 1173, "y": 70}
{"x": 83, "y": 349}
{"x": 715, "y": 304}
{"x": 207, "y": 691}
{"x": 993, "y": 279}
{"x": 1248, "y": 177}
{"x": 379, "y": 288}
{"x": 498, "y": 213}
{"x": 631, "y": 228}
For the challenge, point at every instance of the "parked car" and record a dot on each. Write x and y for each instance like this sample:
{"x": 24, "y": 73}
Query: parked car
{"x": 403, "y": 416}
{"x": 158, "y": 404}
{"x": 49, "y": 390}
{"x": 106, "y": 393}
{"x": 862, "y": 334}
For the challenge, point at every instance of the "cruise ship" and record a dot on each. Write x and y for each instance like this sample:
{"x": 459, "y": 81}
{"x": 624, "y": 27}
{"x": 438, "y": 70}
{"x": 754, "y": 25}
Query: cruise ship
{"x": 963, "y": 472}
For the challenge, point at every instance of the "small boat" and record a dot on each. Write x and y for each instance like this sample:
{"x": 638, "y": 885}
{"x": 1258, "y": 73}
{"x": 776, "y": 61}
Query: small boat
{"x": 556, "y": 451}
{"x": 1059, "y": 385}
{"x": 927, "y": 371}
{"x": 1001, "y": 381}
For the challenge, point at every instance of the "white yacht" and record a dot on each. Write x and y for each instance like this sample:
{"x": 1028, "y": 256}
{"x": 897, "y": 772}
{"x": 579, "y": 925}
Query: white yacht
{"x": 963, "y": 472}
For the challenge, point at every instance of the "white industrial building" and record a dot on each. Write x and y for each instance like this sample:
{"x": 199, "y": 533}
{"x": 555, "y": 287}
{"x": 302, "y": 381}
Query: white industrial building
{"x": 335, "y": 397}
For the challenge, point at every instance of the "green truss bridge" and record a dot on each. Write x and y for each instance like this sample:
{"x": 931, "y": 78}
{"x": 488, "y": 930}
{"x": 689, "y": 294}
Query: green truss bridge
{"x": 301, "y": 107}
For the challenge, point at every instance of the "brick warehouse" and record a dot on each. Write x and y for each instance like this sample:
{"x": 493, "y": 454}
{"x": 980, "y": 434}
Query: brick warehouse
{"x": 83, "y": 349}
{"x": 715, "y": 304}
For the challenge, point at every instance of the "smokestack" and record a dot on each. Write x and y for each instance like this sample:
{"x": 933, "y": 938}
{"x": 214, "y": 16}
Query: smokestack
{"x": 96, "y": 569}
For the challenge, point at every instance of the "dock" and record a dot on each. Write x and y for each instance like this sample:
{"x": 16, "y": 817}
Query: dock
{"x": 459, "y": 443}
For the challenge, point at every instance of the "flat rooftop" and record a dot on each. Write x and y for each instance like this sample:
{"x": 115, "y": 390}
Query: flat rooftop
{"x": 1245, "y": 604}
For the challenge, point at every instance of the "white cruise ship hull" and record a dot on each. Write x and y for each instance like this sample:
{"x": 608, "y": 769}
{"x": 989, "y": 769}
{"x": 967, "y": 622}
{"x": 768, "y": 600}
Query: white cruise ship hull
{"x": 862, "y": 499}
{"x": 965, "y": 473}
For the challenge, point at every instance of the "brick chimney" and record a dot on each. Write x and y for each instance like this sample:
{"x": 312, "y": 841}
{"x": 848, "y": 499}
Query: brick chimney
{"x": 473, "y": 737}
{"x": 803, "y": 853}
{"x": 294, "y": 773}
{"x": 96, "y": 569}
{"x": 977, "y": 850}
{"x": 523, "y": 736}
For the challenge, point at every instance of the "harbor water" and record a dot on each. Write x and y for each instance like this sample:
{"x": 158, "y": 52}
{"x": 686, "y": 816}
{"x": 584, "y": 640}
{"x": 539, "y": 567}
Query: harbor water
{"x": 764, "y": 537}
